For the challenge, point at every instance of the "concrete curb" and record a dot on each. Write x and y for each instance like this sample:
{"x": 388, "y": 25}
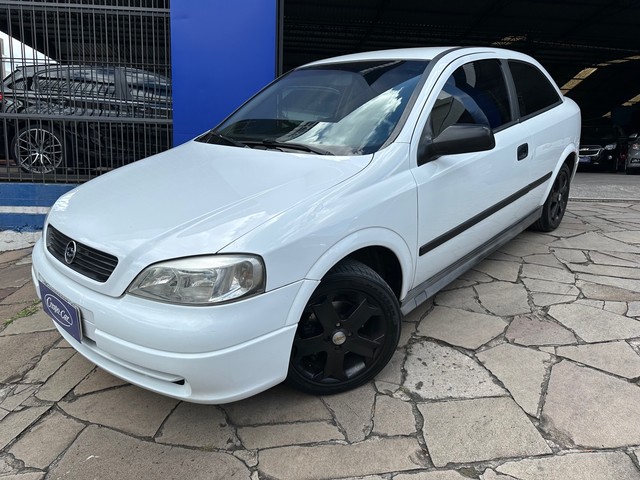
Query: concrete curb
{"x": 10, "y": 240}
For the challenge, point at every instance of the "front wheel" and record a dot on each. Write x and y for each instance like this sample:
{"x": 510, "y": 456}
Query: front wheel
{"x": 347, "y": 333}
{"x": 556, "y": 203}
{"x": 38, "y": 149}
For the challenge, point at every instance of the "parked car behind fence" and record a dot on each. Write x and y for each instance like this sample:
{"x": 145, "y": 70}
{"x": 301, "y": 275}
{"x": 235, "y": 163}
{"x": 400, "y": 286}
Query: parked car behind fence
{"x": 84, "y": 118}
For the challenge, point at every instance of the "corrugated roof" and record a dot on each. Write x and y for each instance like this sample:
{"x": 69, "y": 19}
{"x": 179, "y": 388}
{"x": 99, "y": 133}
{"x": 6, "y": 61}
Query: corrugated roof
{"x": 566, "y": 36}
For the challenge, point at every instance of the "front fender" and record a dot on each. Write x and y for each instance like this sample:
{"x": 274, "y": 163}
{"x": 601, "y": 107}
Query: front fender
{"x": 369, "y": 237}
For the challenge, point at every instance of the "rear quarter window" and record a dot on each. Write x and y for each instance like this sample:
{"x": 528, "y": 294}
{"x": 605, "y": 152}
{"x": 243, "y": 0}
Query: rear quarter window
{"x": 535, "y": 92}
{"x": 147, "y": 86}
{"x": 20, "y": 84}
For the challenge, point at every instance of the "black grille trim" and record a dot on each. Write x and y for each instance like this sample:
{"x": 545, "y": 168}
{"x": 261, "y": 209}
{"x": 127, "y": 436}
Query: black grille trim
{"x": 88, "y": 261}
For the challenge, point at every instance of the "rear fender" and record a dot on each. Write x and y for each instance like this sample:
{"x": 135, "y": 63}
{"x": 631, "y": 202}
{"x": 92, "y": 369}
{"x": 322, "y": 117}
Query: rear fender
{"x": 568, "y": 151}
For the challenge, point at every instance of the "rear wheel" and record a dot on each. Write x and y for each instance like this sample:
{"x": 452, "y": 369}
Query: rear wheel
{"x": 347, "y": 333}
{"x": 556, "y": 203}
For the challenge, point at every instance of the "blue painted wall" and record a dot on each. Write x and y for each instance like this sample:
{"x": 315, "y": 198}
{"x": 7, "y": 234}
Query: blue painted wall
{"x": 23, "y": 205}
{"x": 221, "y": 54}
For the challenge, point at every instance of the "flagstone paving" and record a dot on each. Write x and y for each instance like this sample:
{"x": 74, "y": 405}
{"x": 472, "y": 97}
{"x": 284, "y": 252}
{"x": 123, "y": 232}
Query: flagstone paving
{"x": 527, "y": 367}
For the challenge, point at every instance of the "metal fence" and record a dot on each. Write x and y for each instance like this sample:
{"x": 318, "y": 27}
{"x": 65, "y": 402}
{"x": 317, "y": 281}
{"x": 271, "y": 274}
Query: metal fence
{"x": 86, "y": 89}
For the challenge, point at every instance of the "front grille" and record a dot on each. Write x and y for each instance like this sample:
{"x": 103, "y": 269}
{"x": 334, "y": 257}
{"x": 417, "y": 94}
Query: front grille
{"x": 87, "y": 261}
{"x": 590, "y": 150}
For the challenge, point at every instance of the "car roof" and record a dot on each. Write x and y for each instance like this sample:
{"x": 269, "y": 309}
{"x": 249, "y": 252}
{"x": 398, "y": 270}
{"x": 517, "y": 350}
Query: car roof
{"x": 30, "y": 70}
{"x": 422, "y": 53}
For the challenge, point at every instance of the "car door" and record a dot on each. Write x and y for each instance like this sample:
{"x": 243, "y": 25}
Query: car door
{"x": 466, "y": 200}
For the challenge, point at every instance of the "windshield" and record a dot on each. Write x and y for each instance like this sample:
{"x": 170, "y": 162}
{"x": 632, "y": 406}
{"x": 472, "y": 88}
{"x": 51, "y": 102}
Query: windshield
{"x": 599, "y": 132}
{"x": 339, "y": 109}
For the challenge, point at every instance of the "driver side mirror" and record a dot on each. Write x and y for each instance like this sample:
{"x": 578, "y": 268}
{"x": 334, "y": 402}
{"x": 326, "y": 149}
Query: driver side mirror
{"x": 455, "y": 139}
{"x": 633, "y": 136}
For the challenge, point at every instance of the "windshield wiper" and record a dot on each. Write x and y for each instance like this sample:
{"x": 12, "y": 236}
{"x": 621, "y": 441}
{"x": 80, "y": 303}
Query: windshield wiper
{"x": 224, "y": 138}
{"x": 292, "y": 146}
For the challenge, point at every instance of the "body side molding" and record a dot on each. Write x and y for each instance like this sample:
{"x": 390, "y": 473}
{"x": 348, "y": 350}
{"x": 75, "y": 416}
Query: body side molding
{"x": 445, "y": 237}
{"x": 431, "y": 286}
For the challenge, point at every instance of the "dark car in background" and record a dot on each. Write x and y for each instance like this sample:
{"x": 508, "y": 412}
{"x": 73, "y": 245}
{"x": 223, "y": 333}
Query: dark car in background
{"x": 633, "y": 156}
{"x": 80, "y": 117}
{"x": 602, "y": 147}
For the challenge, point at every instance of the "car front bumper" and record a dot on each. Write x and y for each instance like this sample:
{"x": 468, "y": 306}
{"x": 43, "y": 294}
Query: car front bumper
{"x": 599, "y": 157}
{"x": 633, "y": 163}
{"x": 191, "y": 353}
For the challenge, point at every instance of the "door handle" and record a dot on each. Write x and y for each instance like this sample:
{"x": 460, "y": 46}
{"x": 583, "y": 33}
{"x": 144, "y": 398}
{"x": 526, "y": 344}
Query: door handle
{"x": 523, "y": 151}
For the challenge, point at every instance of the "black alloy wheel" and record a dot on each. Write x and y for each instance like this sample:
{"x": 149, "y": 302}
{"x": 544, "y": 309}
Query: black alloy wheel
{"x": 347, "y": 333}
{"x": 556, "y": 203}
{"x": 38, "y": 149}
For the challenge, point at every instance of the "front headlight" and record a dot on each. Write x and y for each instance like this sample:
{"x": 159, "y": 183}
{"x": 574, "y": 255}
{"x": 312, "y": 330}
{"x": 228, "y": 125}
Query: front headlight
{"x": 611, "y": 146}
{"x": 202, "y": 280}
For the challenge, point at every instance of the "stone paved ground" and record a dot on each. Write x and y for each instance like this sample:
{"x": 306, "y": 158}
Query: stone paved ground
{"x": 526, "y": 367}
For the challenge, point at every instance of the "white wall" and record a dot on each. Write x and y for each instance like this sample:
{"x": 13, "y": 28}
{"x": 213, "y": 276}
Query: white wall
{"x": 16, "y": 54}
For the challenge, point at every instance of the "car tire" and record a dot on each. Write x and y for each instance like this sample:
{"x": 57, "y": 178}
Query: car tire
{"x": 556, "y": 203}
{"x": 347, "y": 333}
{"x": 39, "y": 149}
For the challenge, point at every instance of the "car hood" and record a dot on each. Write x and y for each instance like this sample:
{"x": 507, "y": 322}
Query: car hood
{"x": 191, "y": 200}
{"x": 597, "y": 141}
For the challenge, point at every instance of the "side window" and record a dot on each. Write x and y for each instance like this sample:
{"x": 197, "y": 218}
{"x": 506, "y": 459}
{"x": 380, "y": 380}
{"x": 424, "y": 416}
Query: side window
{"x": 475, "y": 93}
{"x": 79, "y": 83}
{"x": 87, "y": 82}
{"x": 53, "y": 82}
{"x": 535, "y": 92}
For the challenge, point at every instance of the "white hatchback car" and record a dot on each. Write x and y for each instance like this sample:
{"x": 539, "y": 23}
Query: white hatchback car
{"x": 287, "y": 242}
